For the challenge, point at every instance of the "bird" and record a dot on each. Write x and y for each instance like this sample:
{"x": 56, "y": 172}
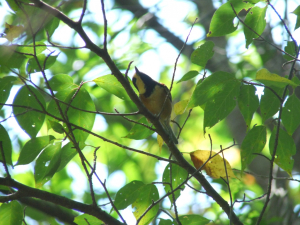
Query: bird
{"x": 153, "y": 95}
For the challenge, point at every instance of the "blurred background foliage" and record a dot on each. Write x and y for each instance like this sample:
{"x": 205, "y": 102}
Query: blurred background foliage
{"x": 151, "y": 33}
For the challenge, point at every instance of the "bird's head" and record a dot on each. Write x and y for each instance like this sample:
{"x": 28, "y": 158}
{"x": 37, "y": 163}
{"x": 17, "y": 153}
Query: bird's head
{"x": 143, "y": 83}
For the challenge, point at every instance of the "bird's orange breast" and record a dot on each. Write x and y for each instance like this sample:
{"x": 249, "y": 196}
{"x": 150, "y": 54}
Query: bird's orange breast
{"x": 155, "y": 102}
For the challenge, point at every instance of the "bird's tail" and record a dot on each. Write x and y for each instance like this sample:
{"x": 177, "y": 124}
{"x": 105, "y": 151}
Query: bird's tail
{"x": 170, "y": 132}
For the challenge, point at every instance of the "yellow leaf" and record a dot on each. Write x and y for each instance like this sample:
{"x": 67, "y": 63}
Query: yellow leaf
{"x": 272, "y": 79}
{"x": 214, "y": 167}
{"x": 12, "y": 31}
{"x": 180, "y": 107}
{"x": 160, "y": 142}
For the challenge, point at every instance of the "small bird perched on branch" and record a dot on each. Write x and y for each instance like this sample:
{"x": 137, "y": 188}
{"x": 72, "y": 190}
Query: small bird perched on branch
{"x": 154, "y": 96}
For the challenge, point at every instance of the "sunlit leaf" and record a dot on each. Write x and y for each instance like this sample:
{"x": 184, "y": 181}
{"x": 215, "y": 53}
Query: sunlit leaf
{"x": 47, "y": 164}
{"x": 248, "y": 103}
{"x": 36, "y": 49}
{"x": 11, "y": 213}
{"x": 222, "y": 20}
{"x": 180, "y": 107}
{"x": 255, "y": 19}
{"x": 214, "y": 167}
{"x": 178, "y": 176}
{"x": 61, "y": 82}
{"x": 193, "y": 220}
{"x": 81, "y": 118}
{"x": 67, "y": 154}
{"x": 290, "y": 114}
{"x": 6, "y": 84}
{"x": 286, "y": 148}
{"x": 297, "y": 12}
{"x": 6, "y": 145}
{"x": 254, "y": 142}
{"x": 147, "y": 195}
{"x": 29, "y": 120}
{"x": 128, "y": 194}
{"x": 32, "y": 148}
{"x": 112, "y": 85}
{"x": 189, "y": 75}
{"x": 85, "y": 219}
{"x": 13, "y": 31}
{"x": 272, "y": 79}
{"x": 202, "y": 54}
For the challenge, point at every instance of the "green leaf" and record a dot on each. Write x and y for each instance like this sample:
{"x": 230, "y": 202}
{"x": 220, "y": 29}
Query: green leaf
{"x": 254, "y": 142}
{"x": 47, "y": 164}
{"x": 112, "y": 85}
{"x": 193, "y": 220}
{"x": 248, "y": 102}
{"x": 6, "y": 84}
{"x": 272, "y": 79}
{"x": 6, "y": 145}
{"x": 255, "y": 19}
{"x": 52, "y": 25}
{"x": 44, "y": 62}
{"x": 12, "y": 5}
{"x": 86, "y": 219}
{"x": 290, "y": 48}
{"x": 67, "y": 154}
{"x": 83, "y": 119}
{"x": 57, "y": 127}
{"x": 178, "y": 176}
{"x": 189, "y": 75}
{"x": 11, "y": 213}
{"x": 290, "y": 114}
{"x": 202, "y": 54}
{"x": 286, "y": 148}
{"x": 61, "y": 82}
{"x": 222, "y": 20}
{"x": 217, "y": 108}
{"x": 29, "y": 120}
{"x": 217, "y": 83}
{"x": 32, "y": 148}
{"x": 29, "y": 49}
{"x": 9, "y": 58}
{"x": 148, "y": 194}
{"x": 165, "y": 222}
{"x": 128, "y": 194}
{"x": 181, "y": 106}
{"x": 269, "y": 104}
{"x": 138, "y": 132}
{"x": 297, "y": 12}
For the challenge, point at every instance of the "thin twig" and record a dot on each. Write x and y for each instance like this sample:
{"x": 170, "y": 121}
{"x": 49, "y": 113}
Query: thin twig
{"x": 128, "y": 68}
{"x": 105, "y": 25}
{"x": 82, "y": 12}
{"x": 285, "y": 26}
{"x": 173, "y": 193}
{"x": 181, "y": 128}
{"x": 228, "y": 185}
{"x": 133, "y": 121}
